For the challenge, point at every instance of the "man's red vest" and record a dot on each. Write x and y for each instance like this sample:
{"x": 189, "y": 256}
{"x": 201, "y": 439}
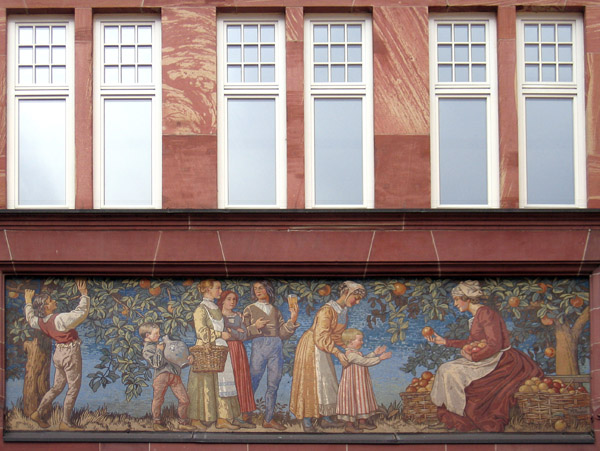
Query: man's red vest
{"x": 49, "y": 328}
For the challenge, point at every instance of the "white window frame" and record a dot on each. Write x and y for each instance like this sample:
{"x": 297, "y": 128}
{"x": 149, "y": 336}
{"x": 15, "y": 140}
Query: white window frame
{"x": 567, "y": 90}
{"x": 152, "y": 92}
{"x": 272, "y": 91}
{"x": 17, "y": 92}
{"x": 348, "y": 90}
{"x": 454, "y": 90}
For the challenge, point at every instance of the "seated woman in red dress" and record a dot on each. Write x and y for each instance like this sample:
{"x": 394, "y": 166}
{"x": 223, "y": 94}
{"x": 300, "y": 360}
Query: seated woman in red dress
{"x": 234, "y": 324}
{"x": 476, "y": 391}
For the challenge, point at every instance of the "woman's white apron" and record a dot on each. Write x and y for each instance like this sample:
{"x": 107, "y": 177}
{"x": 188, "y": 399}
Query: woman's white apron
{"x": 453, "y": 377}
{"x": 226, "y": 378}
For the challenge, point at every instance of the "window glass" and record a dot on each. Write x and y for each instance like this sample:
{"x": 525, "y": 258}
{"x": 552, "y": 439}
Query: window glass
{"x": 251, "y": 146}
{"x": 463, "y": 151}
{"x": 338, "y": 151}
{"x": 128, "y": 152}
{"x": 42, "y": 152}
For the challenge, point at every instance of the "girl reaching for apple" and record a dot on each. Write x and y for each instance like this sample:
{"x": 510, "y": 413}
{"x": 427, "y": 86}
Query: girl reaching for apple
{"x": 476, "y": 391}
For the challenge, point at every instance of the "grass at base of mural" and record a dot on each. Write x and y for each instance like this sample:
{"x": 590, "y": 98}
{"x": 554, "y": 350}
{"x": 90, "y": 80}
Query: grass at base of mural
{"x": 388, "y": 420}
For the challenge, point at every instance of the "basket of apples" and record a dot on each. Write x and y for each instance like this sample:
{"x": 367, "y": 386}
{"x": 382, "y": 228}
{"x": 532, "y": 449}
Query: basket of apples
{"x": 475, "y": 347}
{"x": 542, "y": 400}
{"x": 416, "y": 400}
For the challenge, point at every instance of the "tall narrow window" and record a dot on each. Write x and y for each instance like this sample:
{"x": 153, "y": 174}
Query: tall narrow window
{"x": 251, "y": 113}
{"x": 464, "y": 105}
{"x": 339, "y": 111}
{"x": 40, "y": 112}
{"x": 551, "y": 111}
{"x": 127, "y": 112}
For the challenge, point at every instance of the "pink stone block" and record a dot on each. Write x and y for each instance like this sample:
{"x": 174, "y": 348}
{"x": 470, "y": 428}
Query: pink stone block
{"x": 509, "y": 245}
{"x": 592, "y": 129}
{"x": 294, "y": 24}
{"x": 189, "y": 246}
{"x": 189, "y": 60}
{"x": 189, "y": 171}
{"x": 401, "y": 70}
{"x": 592, "y": 29}
{"x": 402, "y": 172}
{"x": 82, "y": 246}
{"x": 295, "y": 246}
{"x": 83, "y": 109}
{"x": 508, "y": 124}
{"x": 295, "y": 150}
{"x": 402, "y": 246}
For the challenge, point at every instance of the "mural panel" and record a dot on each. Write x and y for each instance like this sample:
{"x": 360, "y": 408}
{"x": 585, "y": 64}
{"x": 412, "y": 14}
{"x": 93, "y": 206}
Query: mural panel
{"x": 404, "y": 356}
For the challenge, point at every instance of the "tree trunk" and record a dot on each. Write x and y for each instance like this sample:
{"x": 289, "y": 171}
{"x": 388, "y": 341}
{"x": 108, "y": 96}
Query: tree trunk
{"x": 37, "y": 372}
{"x": 567, "y": 339}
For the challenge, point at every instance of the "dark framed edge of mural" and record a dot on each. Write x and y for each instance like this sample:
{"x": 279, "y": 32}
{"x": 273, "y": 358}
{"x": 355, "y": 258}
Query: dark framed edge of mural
{"x": 392, "y": 309}
{"x": 382, "y": 439}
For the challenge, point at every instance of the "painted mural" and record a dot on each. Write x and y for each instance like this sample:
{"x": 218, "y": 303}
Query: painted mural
{"x": 393, "y": 355}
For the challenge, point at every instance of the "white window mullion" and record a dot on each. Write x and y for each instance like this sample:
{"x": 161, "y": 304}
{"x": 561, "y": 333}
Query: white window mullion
{"x": 464, "y": 111}
{"x": 40, "y": 133}
{"x": 127, "y": 112}
{"x": 339, "y": 111}
{"x": 552, "y": 170}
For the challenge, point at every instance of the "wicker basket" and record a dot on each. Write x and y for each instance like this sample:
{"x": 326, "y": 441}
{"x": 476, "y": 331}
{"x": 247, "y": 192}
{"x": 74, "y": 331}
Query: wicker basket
{"x": 209, "y": 358}
{"x": 418, "y": 408}
{"x": 542, "y": 408}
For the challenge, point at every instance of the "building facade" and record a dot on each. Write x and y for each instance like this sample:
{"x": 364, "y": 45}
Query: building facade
{"x": 300, "y": 138}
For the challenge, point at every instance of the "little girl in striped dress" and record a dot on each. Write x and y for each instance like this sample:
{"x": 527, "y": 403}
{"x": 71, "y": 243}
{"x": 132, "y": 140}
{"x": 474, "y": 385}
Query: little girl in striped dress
{"x": 356, "y": 399}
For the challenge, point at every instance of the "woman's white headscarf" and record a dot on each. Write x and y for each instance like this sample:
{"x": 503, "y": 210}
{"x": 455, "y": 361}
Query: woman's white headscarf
{"x": 468, "y": 288}
{"x": 353, "y": 289}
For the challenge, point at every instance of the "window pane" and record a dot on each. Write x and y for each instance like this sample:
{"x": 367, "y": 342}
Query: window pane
{"x": 267, "y": 54}
{"x": 127, "y": 35}
{"x": 477, "y": 33}
{"x": 234, "y": 53}
{"x": 251, "y": 146}
{"x": 337, "y": 33}
{"x": 564, "y": 33}
{"x": 548, "y": 33}
{"x": 128, "y": 152}
{"x": 549, "y": 142}
{"x": 338, "y": 74}
{"x": 234, "y": 74}
{"x": 461, "y": 33}
{"x": 321, "y": 55}
{"x": 531, "y": 33}
{"x": 565, "y": 73}
{"x": 144, "y": 35}
{"x": 250, "y": 33}
{"x": 42, "y": 152}
{"x": 463, "y": 151}
{"x": 234, "y": 33}
{"x": 354, "y": 74}
{"x": 478, "y": 73}
{"x": 267, "y": 33}
{"x": 59, "y": 35}
{"x": 532, "y": 53}
{"x": 461, "y": 53}
{"x": 532, "y": 72}
{"x": 478, "y": 53}
{"x": 111, "y": 35}
{"x": 251, "y": 54}
{"x": 267, "y": 73}
{"x": 320, "y": 33}
{"x": 354, "y": 33}
{"x": 565, "y": 53}
{"x": 444, "y": 53}
{"x": 338, "y": 53}
{"x": 25, "y": 35}
{"x": 321, "y": 74}
{"x": 338, "y": 152}
{"x": 444, "y": 33}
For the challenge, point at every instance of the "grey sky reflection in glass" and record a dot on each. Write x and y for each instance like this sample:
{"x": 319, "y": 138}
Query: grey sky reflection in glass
{"x": 550, "y": 163}
{"x": 251, "y": 146}
{"x": 42, "y": 152}
{"x": 128, "y": 152}
{"x": 463, "y": 151}
{"x": 338, "y": 149}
